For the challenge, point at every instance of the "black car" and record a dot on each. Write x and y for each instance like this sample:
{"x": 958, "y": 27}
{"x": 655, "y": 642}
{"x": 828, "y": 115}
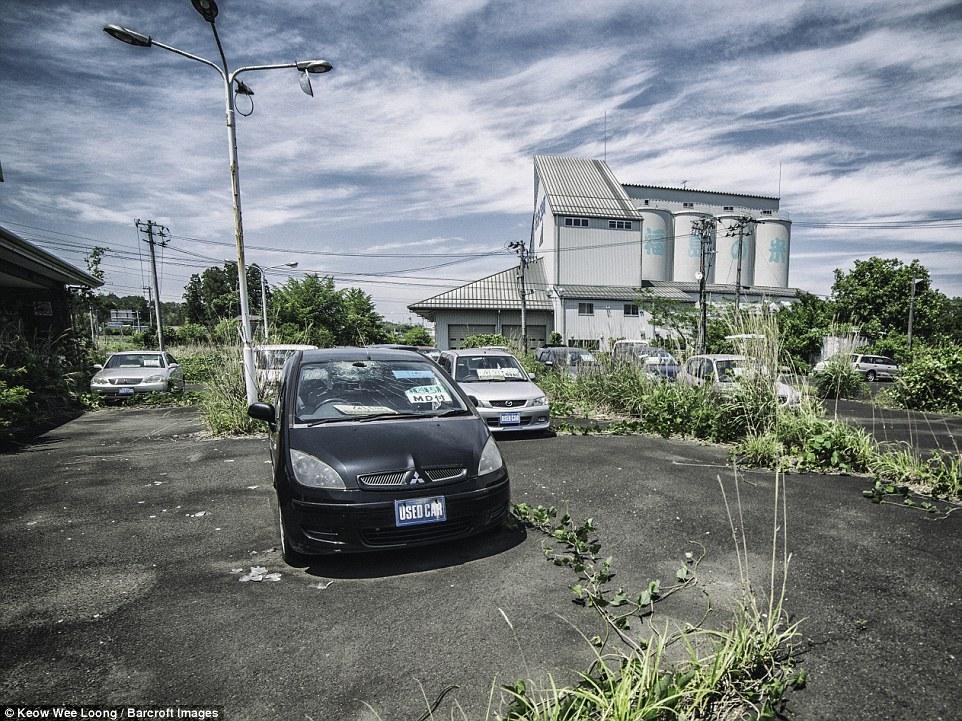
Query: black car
{"x": 375, "y": 449}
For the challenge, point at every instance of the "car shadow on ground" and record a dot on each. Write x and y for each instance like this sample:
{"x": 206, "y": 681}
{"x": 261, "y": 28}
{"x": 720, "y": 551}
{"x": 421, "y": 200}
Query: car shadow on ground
{"x": 379, "y": 564}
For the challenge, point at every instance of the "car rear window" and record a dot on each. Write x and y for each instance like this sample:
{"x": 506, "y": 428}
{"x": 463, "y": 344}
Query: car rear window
{"x": 352, "y": 390}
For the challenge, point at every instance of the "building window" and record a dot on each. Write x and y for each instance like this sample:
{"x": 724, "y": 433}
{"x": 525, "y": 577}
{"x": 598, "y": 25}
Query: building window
{"x": 620, "y": 224}
{"x": 631, "y": 309}
{"x": 729, "y": 207}
{"x": 586, "y": 308}
{"x": 576, "y": 222}
{"x": 688, "y": 205}
{"x": 766, "y": 212}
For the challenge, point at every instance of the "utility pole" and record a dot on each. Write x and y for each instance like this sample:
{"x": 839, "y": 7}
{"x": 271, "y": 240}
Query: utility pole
{"x": 739, "y": 226}
{"x": 704, "y": 229}
{"x": 915, "y": 282}
{"x": 519, "y": 247}
{"x": 163, "y": 234}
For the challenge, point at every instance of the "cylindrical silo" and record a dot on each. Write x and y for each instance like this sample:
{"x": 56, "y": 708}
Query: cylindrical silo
{"x": 687, "y": 255}
{"x": 728, "y": 241}
{"x": 657, "y": 243}
{"x": 772, "y": 241}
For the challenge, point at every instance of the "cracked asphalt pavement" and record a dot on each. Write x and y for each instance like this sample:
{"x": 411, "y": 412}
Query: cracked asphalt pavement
{"x": 126, "y": 535}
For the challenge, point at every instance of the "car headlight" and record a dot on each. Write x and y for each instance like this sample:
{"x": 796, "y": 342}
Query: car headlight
{"x": 99, "y": 380}
{"x": 539, "y": 401}
{"x": 491, "y": 460}
{"x": 313, "y": 472}
{"x": 159, "y": 378}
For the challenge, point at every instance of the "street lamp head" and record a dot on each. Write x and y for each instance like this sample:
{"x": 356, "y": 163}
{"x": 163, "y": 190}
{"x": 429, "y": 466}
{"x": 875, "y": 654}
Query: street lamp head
{"x": 315, "y": 67}
{"x": 207, "y": 9}
{"x": 292, "y": 264}
{"x": 126, "y": 35}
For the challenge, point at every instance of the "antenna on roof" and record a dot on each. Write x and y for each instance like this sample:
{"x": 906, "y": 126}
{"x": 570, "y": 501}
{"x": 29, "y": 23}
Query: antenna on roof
{"x": 684, "y": 183}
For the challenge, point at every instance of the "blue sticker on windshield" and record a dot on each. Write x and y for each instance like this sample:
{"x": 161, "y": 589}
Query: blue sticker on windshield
{"x": 414, "y": 374}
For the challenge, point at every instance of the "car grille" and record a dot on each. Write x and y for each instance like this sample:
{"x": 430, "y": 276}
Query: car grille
{"x": 378, "y": 480}
{"x": 125, "y": 381}
{"x": 387, "y": 479}
{"x": 417, "y": 534}
{"x": 448, "y": 473}
{"x": 509, "y": 404}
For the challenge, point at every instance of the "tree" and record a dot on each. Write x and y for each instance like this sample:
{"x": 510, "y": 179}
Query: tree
{"x": 416, "y": 335}
{"x": 679, "y": 317}
{"x": 874, "y": 295}
{"x": 312, "y": 310}
{"x": 213, "y": 295}
{"x": 802, "y": 325}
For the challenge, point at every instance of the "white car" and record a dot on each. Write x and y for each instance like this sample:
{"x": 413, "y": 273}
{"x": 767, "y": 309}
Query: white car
{"x": 873, "y": 367}
{"x": 721, "y": 371}
{"x": 499, "y": 387}
{"x": 269, "y": 360}
{"x": 126, "y": 374}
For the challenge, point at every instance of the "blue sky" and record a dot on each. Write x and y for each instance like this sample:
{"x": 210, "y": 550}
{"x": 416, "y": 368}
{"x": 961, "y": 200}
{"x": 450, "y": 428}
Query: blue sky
{"x": 420, "y": 143}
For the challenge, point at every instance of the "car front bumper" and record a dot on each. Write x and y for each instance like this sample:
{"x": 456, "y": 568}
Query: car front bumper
{"x": 113, "y": 391}
{"x": 322, "y": 528}
{"x": 533, "y": 418}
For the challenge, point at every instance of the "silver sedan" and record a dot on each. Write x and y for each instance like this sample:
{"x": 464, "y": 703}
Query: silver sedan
{"x": 131, "y": 372}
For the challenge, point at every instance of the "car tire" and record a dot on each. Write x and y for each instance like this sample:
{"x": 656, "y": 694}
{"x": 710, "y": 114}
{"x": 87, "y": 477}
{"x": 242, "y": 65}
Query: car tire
{"x": 870, "y": 376}
{"x": 290, "y": 556}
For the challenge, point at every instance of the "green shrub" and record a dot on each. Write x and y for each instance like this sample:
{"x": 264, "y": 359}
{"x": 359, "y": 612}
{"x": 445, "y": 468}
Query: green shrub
{"x": 932, "y": 381}
{"x": 839, "y": 380}
{"x": 224, "y": 404}
{"x": 760, "y": 451}
{"x": 13, "y": 402}
{"x": 200, "y": 367}
{"x": 483, "y": 339}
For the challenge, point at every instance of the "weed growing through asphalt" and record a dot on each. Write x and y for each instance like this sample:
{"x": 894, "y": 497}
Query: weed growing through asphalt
{"x": 742, "y": 670}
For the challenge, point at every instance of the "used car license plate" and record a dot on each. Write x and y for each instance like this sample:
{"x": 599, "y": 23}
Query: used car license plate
{"x": 510, "y": 419}
{"x": 125, "y": 392}
{"x": 416, "y": 511}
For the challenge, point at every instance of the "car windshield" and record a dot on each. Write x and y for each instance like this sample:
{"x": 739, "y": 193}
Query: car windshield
{"x": 135, "y": 360}
{"x": 488, "y": 368}
{"x": 732, "y": 369}
{"x": 345, "y": 390}
{"x": 272, "y": 359}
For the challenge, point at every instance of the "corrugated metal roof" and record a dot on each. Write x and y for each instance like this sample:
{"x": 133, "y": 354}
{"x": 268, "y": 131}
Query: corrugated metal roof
{"x": 582, "y": 186}
{"x": 618, "y": 292}
{"x": 696, "y": 190}
{"x": 725, "y": 289}
{"x": 500, "y": 291}
{"x": 22, "y": 252}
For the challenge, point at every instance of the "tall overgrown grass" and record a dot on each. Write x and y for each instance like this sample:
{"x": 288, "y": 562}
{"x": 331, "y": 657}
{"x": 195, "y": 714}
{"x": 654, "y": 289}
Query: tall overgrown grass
{"x": 224, "y": 401}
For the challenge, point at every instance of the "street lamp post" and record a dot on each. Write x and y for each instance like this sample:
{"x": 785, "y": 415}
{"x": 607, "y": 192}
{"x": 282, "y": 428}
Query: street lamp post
{"x": 264, "y": 289}
{"x": 208, "y": 10}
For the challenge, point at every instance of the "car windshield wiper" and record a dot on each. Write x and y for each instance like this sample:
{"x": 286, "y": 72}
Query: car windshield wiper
{"x": 382, "y": 416}
{"x": 451, "y": 412}
{"x": 322, "y": 421}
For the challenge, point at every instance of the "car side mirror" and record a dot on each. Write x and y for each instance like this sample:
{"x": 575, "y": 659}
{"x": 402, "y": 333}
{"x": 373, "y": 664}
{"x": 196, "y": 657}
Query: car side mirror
{"x": 532, "y": 376}
{"x": 98, "y": 366}
{"x": 262, "y": 412}
{"x": 549, "y": 362}
{"x": 474, "y": 401}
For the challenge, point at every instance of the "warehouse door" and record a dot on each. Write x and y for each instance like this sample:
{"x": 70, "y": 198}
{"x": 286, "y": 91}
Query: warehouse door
{"x": 457, "y": 332}
{"x": 537, "y": 334}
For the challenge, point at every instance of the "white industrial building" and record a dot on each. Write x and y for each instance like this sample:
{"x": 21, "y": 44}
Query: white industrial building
{"x": 600, "y": 246}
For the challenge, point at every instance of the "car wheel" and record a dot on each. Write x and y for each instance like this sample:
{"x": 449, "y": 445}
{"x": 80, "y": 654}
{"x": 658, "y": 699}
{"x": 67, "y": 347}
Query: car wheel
{"x": 290, "y": 556}
{"x": 870, "y": 376}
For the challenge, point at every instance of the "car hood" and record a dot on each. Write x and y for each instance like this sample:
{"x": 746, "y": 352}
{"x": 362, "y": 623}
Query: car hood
{"x": 353, "y": 448}
{"x": 131, "y": 372}
{"x": 502, "y": 390}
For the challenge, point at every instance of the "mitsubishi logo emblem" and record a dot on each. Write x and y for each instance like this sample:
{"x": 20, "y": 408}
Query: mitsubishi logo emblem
{"x": 415, "y": 479}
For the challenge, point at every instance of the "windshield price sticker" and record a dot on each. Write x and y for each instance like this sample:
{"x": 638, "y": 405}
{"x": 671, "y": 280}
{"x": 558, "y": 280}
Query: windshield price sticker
{"x": 358, "y": 410}
{"x": 413, "y": 374}
{"x": 427, "y": 394}
{"x": 485, "y": 373}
